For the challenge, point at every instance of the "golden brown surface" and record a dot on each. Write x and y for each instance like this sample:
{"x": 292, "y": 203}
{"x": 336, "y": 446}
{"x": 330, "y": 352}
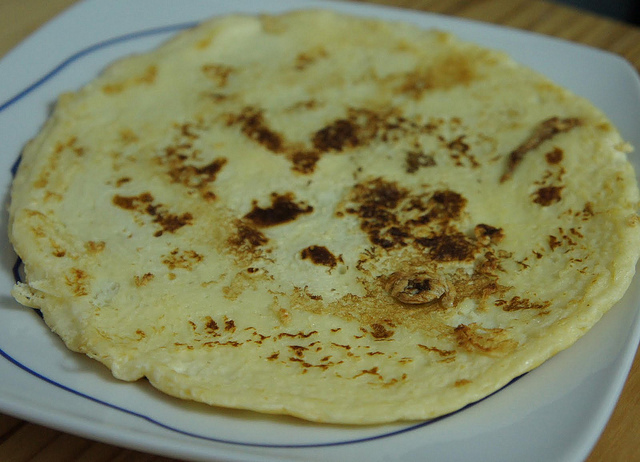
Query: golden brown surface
{"x": 24, "y": 441}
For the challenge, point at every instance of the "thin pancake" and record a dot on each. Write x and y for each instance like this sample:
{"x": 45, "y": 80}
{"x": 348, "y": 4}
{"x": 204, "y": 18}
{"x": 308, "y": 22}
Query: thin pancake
{"x": 337, "y": 218}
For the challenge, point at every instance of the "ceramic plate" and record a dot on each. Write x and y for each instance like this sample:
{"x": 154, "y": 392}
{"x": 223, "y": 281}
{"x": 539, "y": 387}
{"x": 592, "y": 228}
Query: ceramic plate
{"x": 554, "y": 413}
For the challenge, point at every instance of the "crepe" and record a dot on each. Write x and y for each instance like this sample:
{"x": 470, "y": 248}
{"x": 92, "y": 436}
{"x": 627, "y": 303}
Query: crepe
{"x": 342, "y": 219}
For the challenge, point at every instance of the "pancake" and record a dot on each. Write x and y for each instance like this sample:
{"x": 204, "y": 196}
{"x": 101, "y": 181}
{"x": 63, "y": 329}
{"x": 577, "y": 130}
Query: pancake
{"x": 342, "y": 219}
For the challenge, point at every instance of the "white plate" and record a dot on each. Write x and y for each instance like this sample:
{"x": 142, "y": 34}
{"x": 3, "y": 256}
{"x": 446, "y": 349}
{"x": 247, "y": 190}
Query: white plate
{"x": 554, "y": 413}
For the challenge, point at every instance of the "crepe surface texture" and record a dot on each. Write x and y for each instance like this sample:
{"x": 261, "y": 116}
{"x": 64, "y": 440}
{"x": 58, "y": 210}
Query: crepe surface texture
{"x": 341, "y": 219}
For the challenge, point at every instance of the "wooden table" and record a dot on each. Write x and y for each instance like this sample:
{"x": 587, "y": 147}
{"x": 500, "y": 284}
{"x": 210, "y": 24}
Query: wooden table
{"x": 24, "y": 441}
